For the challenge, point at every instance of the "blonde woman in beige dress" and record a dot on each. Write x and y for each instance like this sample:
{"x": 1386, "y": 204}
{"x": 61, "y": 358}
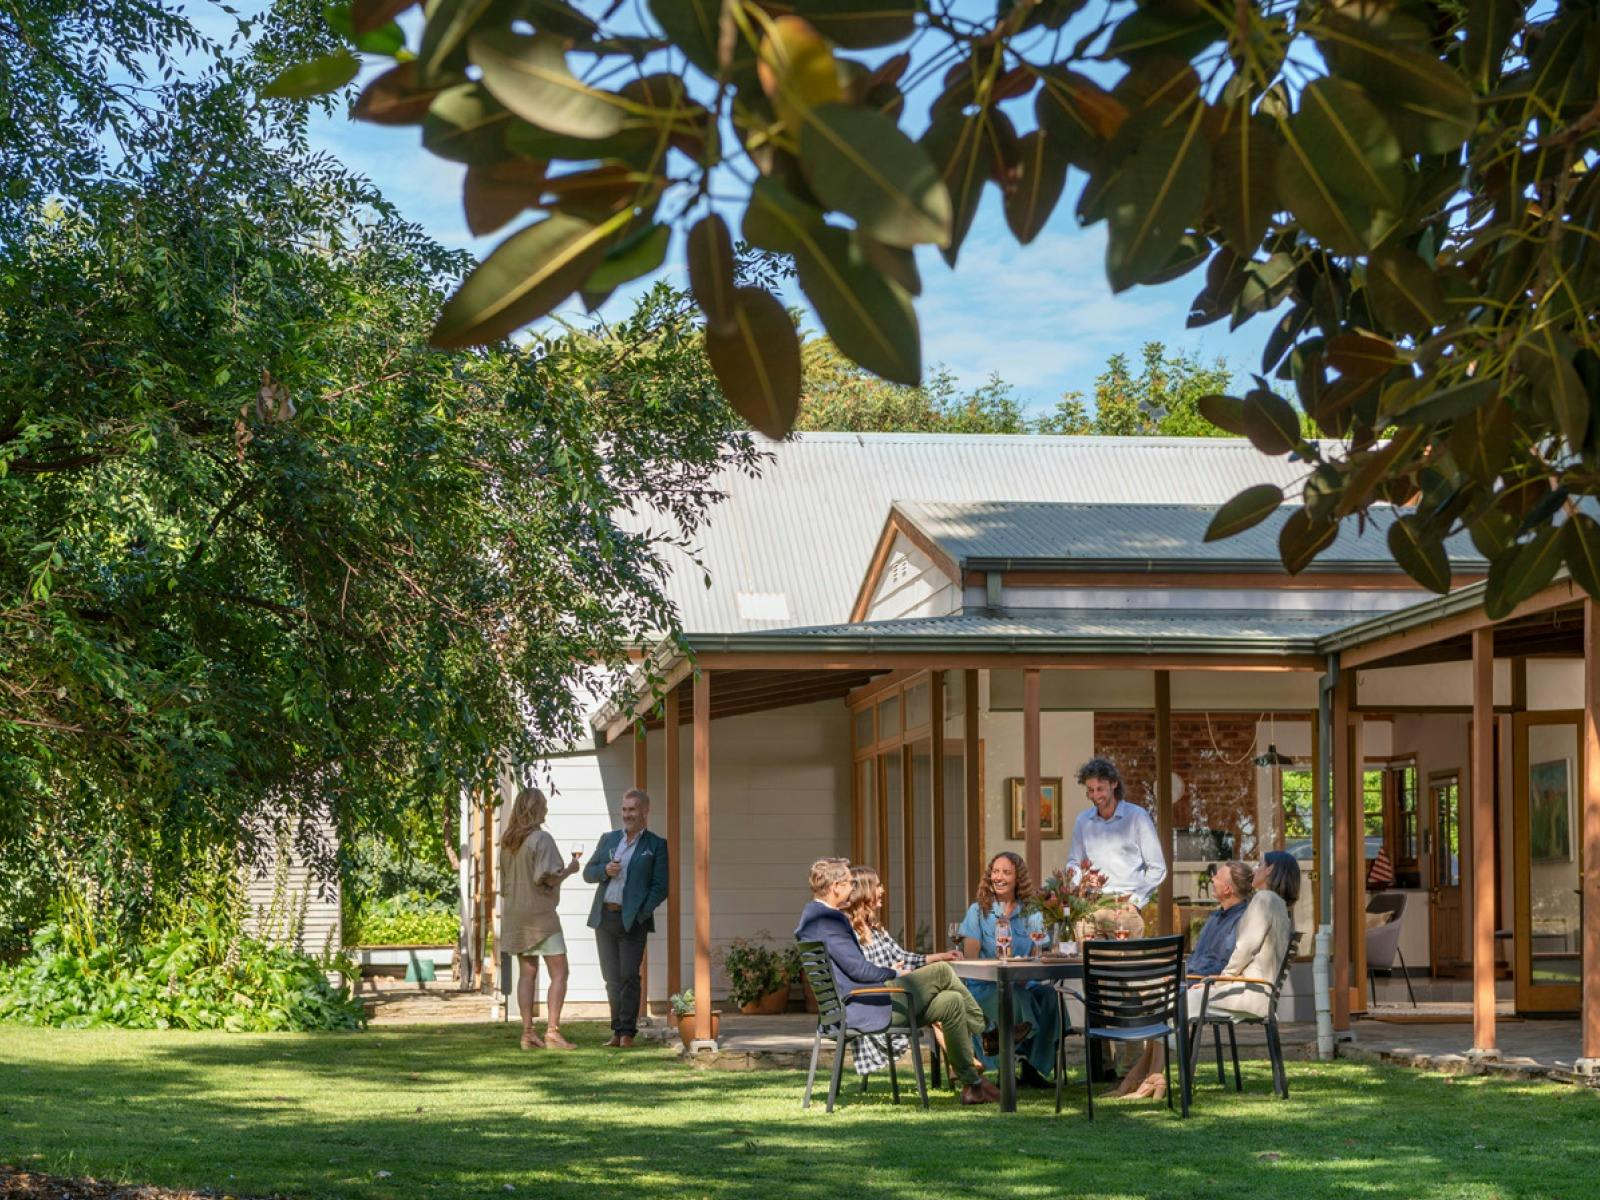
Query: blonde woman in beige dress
{"x": 531, "y": 872}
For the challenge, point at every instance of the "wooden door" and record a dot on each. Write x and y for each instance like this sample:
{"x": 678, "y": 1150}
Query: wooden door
{"x": 1446, "y": 931}
{"x": 1547, "y": 861}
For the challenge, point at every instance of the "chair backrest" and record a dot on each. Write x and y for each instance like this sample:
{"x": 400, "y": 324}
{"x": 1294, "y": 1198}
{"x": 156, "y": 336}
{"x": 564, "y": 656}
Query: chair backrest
{"x": 1289, "y": 952}
{"x": 818, "y": 967}
{"x": 1388, "y": 902}
{"x": 1382, "y": 943}
{"x": 1132, "y": 983}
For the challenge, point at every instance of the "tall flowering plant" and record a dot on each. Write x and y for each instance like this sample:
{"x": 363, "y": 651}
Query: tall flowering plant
{"x": 1063, "y": 900}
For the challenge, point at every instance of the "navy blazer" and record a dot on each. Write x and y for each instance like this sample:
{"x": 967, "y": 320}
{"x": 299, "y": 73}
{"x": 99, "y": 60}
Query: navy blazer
{"x": 851, "y": 968}
{"x": 645, "y": 886}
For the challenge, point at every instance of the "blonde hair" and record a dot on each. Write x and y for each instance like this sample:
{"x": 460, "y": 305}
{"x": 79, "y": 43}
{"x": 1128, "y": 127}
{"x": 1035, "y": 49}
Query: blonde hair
{"x": 862, "y": 907}
{"x": 527, "y": 815}
{"x": 826, "y": 872}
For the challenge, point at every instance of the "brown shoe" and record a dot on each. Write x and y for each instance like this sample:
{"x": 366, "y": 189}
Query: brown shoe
{"x": 991, "y": 1038}
{"x": 616, "y": 1040}
{"x": 981, "y": 1092}
{"x": 627, "y": 1040}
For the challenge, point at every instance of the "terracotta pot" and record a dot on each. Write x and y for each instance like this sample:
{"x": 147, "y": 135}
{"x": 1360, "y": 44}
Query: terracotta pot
{"x": 769, "y": 1005}
{"x": 686, "y": 1027}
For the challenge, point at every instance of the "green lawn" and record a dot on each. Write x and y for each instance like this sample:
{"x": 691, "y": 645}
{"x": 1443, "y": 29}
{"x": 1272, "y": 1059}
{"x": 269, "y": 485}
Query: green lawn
{"x": 459, "y": 1111}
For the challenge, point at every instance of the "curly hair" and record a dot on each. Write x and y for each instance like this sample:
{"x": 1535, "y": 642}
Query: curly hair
{"x": 862, "y": 907}
{"x": 986, "y": 889}
{"x": 1102, "y": 768}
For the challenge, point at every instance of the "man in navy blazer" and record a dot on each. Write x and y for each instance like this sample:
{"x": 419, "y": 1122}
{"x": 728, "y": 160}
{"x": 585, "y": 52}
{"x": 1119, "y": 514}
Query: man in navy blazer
{"x": 933, "y": 995}
{"x": 630, "y": 871}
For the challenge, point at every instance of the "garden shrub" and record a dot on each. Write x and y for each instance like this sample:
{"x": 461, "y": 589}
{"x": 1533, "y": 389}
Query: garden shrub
{"x": 411, "y": 919}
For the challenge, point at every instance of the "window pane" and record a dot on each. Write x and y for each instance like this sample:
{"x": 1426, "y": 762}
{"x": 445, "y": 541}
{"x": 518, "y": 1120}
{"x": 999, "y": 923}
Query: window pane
{"x": 1406, "y": 805}
{"x": 916, "y": 706}
{"x": 1372, "y": 811}
{"x": 1447, "y": 821}
{"x": 866, "y": 776}
{"x": 889, "y": 718}
{"x": 864, "y": 727}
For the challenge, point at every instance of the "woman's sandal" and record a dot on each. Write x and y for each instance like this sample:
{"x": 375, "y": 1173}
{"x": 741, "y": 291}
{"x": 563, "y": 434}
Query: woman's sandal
{"x": 532, "y": 1041}
{"x": 553, "y": 1039}
{"x": 1154, "y": 1087}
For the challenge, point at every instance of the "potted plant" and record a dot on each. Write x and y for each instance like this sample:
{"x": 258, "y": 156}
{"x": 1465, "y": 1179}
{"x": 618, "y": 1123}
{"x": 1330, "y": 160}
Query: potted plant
{"x": 759, "y": 975}
{"x": 683, "y": 1008}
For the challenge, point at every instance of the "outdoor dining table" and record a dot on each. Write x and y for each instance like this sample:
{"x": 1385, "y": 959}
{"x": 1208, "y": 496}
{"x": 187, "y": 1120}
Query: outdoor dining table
{"x": 1003, "y": 973}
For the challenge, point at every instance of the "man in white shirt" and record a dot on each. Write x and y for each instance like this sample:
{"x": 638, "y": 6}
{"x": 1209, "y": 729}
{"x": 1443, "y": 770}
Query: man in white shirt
{"x": 1118, "y": 839}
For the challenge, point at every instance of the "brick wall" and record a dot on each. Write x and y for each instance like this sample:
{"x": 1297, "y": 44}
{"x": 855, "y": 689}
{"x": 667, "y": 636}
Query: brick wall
{"x": 1215, "y": 764}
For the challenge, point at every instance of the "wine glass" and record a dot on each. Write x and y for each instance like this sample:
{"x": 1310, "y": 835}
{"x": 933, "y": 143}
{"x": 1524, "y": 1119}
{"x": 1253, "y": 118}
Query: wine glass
{"x": 1121, "y": 935}
{"x": 1002, "y": 941}
{"x": 954, "y": 930}
{"x": 1038, "y": 937}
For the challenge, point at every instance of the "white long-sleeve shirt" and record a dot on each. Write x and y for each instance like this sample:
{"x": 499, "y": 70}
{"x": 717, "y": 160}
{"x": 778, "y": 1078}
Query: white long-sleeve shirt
{"x": 1126, "y": 849}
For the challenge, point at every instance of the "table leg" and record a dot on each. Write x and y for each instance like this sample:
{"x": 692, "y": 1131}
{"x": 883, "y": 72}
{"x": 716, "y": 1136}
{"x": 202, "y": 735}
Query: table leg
{"x": 1008, "y": 1053}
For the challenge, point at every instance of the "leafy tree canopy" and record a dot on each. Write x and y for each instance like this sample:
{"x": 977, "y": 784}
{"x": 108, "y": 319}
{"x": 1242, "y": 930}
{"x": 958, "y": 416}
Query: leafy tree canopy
{"x": 1162, "y": 400}
{"x": 1404, "y": 185}
{"x": 262, "y": 550}
{"x": 838, "y": 395}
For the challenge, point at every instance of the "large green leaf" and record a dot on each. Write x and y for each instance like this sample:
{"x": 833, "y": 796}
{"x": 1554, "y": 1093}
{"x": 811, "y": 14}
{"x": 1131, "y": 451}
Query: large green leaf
{"x": 1152, "y": 32}
{"x": 633, "y": 145}
{"x": 466, "y": 124}
{"x": 315, "y": 78}
{"x": 711, "y": 271}
{"x": 1489, "y": 27}
{"x": 529, "y": 75}
{"x": 868, "y": 316}
{"x": 1403, "y": 293}
{"x": 1249, "y": 508}
{"x": 1270, "y": 422}
{"x": 774, "y": 215}
{"x": 495, "y": 193}
{"x": 860, "y": 163}
{"x": 861, "y": 24}
{"x": 1428, "y": 103}
{"x": 1225, "y": 412}
{"x": 368, "y": 15}
{"x": 633, "y": 256}
{"x": 1420, "y": 553}
{"x": 1301, "y": 539}
{"x": 1546, "y": 356}
{"x": 1422, "y": 402}
{"x": 693, "y": 27}
{"x": 1480, "y": 442}
{"x": 384, "y": 38}
{"x": 1580, "y": 548}
{"x": 394, "y": 98}
{"x": 1034, "y": 194}
{"x": 1361, "y": 355}
{"x": 966, "y": 151}
{"x": 1517, "y": 574}
{"x": 1243, "y": 185}
{"x": 1339, "y": 170}
{"x": 1156, "y": 198}
{"x": 757, "y": 362}
{"x": 448, "y": 23}
{"x": 526, "y": 277}
{"x": 1078, "y": 114}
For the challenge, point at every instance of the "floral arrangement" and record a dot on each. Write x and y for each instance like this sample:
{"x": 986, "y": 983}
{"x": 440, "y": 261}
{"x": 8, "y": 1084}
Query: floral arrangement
{"x": 1064, "y": 900}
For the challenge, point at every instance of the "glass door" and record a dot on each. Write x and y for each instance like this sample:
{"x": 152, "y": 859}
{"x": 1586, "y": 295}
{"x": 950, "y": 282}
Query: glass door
{"x": 1442, "y": 844}
{"x": 1547, "y": 861}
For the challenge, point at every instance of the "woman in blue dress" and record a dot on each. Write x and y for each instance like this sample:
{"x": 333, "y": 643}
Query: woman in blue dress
{"x": 1005, "y": 885}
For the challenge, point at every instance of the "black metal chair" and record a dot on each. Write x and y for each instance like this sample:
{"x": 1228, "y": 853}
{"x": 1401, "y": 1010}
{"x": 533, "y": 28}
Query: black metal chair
{"x": 1067, "y": 1030}
{"x": 833, "y": 1023}
{"x": 1280, "y": 1077}
{"x": 1133, "y": 992}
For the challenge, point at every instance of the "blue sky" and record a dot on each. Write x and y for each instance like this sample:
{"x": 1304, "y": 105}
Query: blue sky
{"x": 1041, "y": 316}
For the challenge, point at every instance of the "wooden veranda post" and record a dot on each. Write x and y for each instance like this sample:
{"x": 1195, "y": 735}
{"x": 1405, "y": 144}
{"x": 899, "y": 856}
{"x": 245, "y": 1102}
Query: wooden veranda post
{"x": 1483, "y": 865}
{"x": 702, "y": 856}
{"x": 1164, "y": 818}
{"x": 674, "y": 845}
{"x": 936, "y": 753}
{"x": 1357, "y": 835}
{"x": 1030, "y": 768}
{"x": 1589, "y": 835}
{"x": 1343, "y": 781}
{"x": 641, "y": 780}
{"x": 972, "y": 771}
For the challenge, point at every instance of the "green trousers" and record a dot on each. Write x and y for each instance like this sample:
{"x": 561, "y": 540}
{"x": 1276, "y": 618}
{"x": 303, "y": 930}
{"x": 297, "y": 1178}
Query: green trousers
{"x": 935, "y": 995}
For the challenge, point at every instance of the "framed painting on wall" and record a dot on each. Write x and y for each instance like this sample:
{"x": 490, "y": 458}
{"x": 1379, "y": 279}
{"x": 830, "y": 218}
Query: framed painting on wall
{"x": 1550, "y": 812}
{"x": 1049, "y": 807}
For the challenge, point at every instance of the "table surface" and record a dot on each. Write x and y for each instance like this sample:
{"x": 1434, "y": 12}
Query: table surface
{"x": 1018, "y": 968}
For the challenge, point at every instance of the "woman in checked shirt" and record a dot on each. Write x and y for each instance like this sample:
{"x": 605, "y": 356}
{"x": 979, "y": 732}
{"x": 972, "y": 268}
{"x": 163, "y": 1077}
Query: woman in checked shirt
{"x": 865, "y": 909}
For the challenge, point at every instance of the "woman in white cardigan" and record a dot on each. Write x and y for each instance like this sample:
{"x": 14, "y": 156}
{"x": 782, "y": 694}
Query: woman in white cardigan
{"x": 1264, "y": 933}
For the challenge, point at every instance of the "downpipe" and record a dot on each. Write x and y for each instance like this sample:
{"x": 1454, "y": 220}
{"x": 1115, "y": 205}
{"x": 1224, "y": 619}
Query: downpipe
{"x": 1321, "y": 980}
{"x": 1322, "y": 958}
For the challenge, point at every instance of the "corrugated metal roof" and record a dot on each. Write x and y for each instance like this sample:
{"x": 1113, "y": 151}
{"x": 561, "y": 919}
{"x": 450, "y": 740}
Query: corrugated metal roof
{"x": 1047, "y": 534}
{"x": 804, "y": 530}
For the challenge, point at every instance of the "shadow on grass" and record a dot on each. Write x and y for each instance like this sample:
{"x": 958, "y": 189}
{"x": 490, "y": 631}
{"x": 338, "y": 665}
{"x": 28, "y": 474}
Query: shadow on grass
{"x": 460, "y": 1111}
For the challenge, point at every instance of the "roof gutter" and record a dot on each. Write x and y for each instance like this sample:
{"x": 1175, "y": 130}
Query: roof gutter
{"x": 1151, "y": 566}
{"x": 1464, "y": 600}
{"x": 871, "y": 643}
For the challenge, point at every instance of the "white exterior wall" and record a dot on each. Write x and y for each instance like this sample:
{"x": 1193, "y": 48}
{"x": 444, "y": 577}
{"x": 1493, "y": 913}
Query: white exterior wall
{"x": 912, "y": 585}
{"x": 1192, "y": 691}
{"x": 289, "y": 904}
{"x": 780, "y": 799}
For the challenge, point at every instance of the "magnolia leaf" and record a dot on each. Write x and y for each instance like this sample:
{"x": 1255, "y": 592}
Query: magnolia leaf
{"x": 529, "y": 75}
{"x": 1518, "y": 573}
{"x": 1480, "y": 442}
{"x": 448, "y": 23}
{"x": 630, "y": 258}
{"x": 711, "y": 271}
{"x": 1580, "y": 549}
{"x": 634, "y": 145}
{"x": 1428, "y": 103}
{"x": 1403, "y": 293}
{"x": 525, "y": 277}
{"x": 1420, "y": 553}
{"x": 1492, "y": 533}
{"x": 1157, "y": 197}
{"x": 1339, "y": 170}
{"x": 1249, "y": 508}
{"x": 966, "y": 150}
{"x": 774, "y": 215}
{"x": 1077, "y": 114}
{"x": 594, "y": 194}
{"x": 1243, "y": 191}
{"x": 896, "y": 262}
{"x": 369, "y": 15}
{"x": 1361, "y": 356}
{"x": 757, "y": 362}
{"x": 384, "y": 38}
{"x": 860, "y": 163}
{"x": 1225, "y": 412}
{"x": 1301, "y": 539}
{"x": 1269, "y": 422}
{"x": 495, "y": 193}
{"x": 557, "y": 16}
{"x": 1546, "y": 356}
{"x": 1421, "y": 402}
{"x": 394, "y": 98}
{"x": 693, "y": 27}
{"x": 318, "y": 77}
{"x": 1153, "y": 32}
{"x": 861, "y": 24}
{"x": 869, "y": 318}
{"x": 466, "y": 124}
{"x": 1034, "y": 193}
{"x": 1489, "y": 26}
{"x": 797, "y": 69}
